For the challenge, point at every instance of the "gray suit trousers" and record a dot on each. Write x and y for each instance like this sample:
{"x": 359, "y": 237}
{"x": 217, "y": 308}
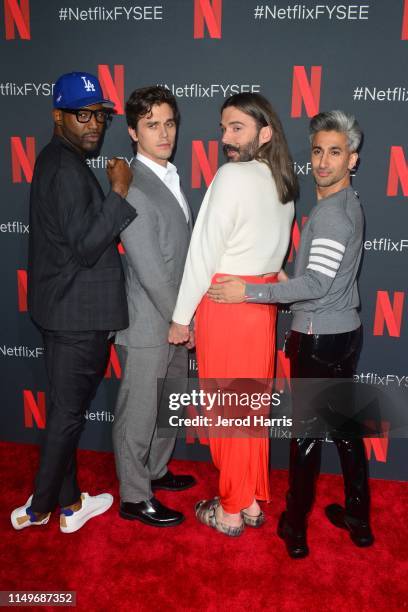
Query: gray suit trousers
{"x": 140, "y": 454}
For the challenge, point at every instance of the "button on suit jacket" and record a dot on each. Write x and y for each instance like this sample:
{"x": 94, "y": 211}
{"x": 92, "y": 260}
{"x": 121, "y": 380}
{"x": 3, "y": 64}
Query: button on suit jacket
{"x": 75, "y": 276}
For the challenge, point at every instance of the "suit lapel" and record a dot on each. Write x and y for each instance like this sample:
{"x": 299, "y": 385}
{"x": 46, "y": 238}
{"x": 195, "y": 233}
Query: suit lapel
{"x": 141, "y": 169}
{"x": 190, "y": 214}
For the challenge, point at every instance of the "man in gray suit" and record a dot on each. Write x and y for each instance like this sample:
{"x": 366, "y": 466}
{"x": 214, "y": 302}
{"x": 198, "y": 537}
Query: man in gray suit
{"x": 155, "y": 251}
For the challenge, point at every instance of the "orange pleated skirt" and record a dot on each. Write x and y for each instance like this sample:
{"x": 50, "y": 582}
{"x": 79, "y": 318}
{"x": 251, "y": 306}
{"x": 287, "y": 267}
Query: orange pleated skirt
{"x": 238, "y": 341}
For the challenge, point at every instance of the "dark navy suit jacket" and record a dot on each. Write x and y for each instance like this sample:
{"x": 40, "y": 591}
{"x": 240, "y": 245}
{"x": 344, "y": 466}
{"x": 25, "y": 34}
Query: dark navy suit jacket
{"x": 75, "y": 276}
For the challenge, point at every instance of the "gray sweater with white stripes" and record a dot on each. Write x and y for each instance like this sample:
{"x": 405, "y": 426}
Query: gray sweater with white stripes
{"x": 324, "y": 288}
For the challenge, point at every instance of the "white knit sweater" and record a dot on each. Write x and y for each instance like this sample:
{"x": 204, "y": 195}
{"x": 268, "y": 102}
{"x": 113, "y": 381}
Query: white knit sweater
{"x": 242, "y": 228}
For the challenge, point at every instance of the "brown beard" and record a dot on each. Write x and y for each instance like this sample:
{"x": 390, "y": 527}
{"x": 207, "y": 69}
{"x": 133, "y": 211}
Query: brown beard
{"x": 246, "y": 152}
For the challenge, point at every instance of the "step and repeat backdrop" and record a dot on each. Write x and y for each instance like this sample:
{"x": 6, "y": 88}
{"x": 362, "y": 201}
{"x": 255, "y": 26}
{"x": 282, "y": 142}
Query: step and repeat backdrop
{"x": 305, "y": 57}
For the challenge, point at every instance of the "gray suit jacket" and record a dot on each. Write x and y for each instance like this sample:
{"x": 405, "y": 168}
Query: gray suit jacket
{"x": 156, "y": 246}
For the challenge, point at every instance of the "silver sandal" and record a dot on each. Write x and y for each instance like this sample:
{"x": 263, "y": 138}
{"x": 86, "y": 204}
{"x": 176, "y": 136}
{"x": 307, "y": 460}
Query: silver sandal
{"x": 253, "y": 521}
{"x": 205, "y": 513}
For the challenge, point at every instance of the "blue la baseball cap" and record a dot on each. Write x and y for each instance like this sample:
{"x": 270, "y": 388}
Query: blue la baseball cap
{"x": 78, "y": 89}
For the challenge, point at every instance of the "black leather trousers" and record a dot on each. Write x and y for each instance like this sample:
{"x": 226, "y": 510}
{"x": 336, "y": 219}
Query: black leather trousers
{"x": 324, "y": 356}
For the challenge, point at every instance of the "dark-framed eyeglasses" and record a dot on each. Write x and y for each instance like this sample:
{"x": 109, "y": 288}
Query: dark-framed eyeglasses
{"x": 84, "y": 115}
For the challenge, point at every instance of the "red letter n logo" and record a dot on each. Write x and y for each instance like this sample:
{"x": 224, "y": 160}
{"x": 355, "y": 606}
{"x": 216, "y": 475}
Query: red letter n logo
{"x": 113, "y": 88}
{"x": 17, "y": 16}
{"x": 113, "y": 364}
{"x": 295, "y": 242}
{"x": 404, "y": 33}
{"x": 34, "y": 410}
{"x": 379, "y": 446}
{"x": 389, "y": 314}
{"x": 282, "y": 371}
{"x": 22, "y": 290}
{"x": 305, "y": 91}
{"x": 203, "y": 165}
{"x": 398, "y": 172}
{"x": 22, "y": 159}
{"x": 210, "y": 12}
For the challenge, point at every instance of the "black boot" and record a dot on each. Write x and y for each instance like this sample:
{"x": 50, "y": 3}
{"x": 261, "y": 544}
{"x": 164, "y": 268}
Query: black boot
{"x": 355, "y": 516}
{"x": 304, "y": 468}
{"x": 296, "y": 543}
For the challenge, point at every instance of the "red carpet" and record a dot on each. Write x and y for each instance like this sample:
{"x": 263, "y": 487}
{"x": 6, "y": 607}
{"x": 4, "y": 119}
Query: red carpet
{"x": 114, "y": 564}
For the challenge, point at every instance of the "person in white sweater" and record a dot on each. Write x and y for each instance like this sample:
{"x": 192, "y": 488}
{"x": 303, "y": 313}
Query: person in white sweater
{"x": 243, "y": 228}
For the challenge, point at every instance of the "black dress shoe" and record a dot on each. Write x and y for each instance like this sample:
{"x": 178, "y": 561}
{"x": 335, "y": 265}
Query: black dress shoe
{"x": 359, "y": 531}
{"x": 173, "y": 482}
{"x": 296, "y": 544}
{"x": 151, "y": 512}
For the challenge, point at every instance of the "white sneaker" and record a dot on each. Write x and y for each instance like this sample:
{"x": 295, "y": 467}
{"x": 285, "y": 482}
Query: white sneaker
{"x": 91, "y": 506}
{"x": 23, "y": 516}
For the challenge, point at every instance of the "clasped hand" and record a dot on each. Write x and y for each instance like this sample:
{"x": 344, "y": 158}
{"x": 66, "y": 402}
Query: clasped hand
{"x": 181, "y": 334}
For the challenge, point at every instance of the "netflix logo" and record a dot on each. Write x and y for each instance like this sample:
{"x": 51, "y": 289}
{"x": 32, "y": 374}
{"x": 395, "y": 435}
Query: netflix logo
{"x": 207, "y": 18}
{"x": 295, "y": 241}
{"x": 113, "y": 86}
{"x": 302, "y": 12}
{"x": 388, "y": 313}
{"x": 386, "y": 245}
{"x": 113, "y": 369}
{"x": 22, "y": 290}
{"x": 17, "y": 19}
{"x": 21, "y": 351}
{"x": 22, "y": 159}
{"x": 377, "y": 448}
{"x": 113, "y": 14}
{"x": 14, "y": 227}
{"x": 34, "y": 406}
{"x": 34, "y": 409}
{"x": 204, "y": 162}
{"x": 306, "y": 90}
{"x": 397, "y": 173}
{"x": 29, "y": 88}
{"x": 208, "y": 90}
{"x": 404, "y": 33}
{"x": 381, "y": 380}
{"x": 102, "y": 416}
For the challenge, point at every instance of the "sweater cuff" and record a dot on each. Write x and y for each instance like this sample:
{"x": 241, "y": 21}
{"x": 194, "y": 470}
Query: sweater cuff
{"x": 257, "y": 293}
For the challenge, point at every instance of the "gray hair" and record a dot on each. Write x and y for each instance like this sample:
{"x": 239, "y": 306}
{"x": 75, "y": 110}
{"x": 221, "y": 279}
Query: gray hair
{"x": 338, "y": 121}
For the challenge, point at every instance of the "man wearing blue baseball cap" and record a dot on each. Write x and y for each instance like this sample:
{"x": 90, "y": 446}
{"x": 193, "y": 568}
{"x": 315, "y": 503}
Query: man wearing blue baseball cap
{"x": 76, "y": 292}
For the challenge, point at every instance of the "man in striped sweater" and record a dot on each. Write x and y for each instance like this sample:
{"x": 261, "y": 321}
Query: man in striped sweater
{"x": 325, "y": 338}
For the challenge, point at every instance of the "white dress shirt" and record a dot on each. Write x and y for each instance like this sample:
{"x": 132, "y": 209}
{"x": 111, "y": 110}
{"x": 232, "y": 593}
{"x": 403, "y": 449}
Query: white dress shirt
{"x": 169, "y": 175}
